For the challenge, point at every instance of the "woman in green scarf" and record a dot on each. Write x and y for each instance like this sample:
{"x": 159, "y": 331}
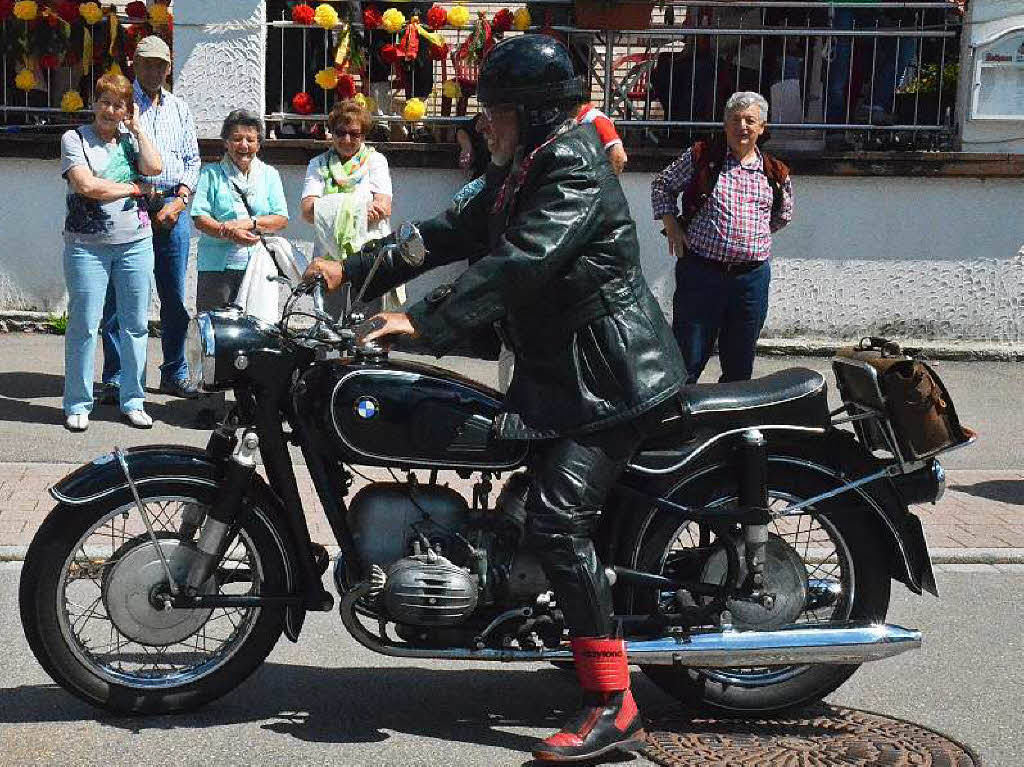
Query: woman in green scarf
{"x": 347, "y": 195}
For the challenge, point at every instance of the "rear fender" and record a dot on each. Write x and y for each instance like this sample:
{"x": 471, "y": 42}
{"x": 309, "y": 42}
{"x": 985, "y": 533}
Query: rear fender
{"x": 103, "y": 480}
{"x": 837, "y": 457}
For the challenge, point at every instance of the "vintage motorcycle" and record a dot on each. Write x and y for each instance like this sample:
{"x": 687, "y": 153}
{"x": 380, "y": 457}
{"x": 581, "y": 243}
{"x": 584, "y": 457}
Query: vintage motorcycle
{"x": 751, "y": 542}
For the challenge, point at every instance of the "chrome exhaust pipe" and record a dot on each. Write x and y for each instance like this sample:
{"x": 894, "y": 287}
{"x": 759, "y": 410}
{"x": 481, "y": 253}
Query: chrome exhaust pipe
{"x": 848, "y": 643}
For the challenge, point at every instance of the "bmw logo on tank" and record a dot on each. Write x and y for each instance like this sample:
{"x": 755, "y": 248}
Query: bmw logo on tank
{"x": 367, "y": 407}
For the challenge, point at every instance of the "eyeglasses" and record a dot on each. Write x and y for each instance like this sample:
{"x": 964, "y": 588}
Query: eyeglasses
{"x": 352, "y": 134}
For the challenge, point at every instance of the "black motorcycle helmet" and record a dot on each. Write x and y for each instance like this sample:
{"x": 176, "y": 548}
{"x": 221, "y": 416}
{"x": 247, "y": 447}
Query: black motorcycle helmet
{"x": 535, "y": 74}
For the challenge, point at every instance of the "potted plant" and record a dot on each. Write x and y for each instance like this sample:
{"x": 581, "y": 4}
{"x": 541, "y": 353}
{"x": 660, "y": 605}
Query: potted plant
{"x": 922, "y": 94}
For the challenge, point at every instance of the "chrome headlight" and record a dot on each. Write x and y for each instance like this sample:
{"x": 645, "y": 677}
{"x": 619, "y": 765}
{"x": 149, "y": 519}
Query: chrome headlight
{"x": 200, "y": 351}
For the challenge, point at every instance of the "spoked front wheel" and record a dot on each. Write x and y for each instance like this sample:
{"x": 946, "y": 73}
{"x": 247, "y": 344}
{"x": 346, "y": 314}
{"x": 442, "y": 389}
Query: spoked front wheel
{"x": 92, "y": 607}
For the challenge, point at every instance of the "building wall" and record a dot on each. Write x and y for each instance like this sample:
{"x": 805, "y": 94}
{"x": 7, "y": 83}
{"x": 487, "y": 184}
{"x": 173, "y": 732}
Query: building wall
{"x": 937, "y": 259}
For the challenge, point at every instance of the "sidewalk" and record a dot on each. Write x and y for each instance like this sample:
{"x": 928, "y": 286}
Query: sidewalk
{"x": 980, "y": 519}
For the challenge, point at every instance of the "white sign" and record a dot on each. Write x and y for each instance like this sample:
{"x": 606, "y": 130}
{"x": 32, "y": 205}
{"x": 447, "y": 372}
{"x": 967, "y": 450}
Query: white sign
{"x": 998, "y": 92}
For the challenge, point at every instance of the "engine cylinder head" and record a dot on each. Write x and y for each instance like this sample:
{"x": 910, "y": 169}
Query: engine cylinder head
{"x": 429, "y": 591}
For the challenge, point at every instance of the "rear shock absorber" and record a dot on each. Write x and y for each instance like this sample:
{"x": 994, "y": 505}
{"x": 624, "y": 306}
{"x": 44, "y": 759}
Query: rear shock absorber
{"x": 753, "y": 497}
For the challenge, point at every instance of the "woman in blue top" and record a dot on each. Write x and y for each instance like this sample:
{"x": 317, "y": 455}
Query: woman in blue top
{"x": 229, "y": 233}
{"x": 107, "y": 238}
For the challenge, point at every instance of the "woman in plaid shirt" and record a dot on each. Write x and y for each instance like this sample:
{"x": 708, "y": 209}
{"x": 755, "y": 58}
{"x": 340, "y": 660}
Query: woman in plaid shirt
{"x": 723, "y": 248}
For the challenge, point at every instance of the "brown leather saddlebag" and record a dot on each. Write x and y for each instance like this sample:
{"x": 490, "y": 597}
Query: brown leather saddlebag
{"x": 876, "y": 374}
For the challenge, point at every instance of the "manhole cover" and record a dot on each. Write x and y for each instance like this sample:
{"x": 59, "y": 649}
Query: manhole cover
{"x": 821, "y": 737}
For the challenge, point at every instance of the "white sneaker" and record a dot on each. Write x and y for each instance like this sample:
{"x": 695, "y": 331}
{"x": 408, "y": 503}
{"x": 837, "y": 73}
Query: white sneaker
{"x": 140, "y": 419}
{"x": 77, "y": 422}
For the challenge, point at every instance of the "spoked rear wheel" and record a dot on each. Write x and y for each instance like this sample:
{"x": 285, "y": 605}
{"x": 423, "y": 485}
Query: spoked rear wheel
{"x": 91, "y": 609}
{"x": 845, "y": 578}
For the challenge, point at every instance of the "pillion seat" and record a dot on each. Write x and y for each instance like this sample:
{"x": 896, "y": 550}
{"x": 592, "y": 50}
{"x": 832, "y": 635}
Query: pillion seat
{"x": 791, "y": 397}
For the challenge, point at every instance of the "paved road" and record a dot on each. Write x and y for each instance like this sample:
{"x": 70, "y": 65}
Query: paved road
{"x": 987, "y": 394}
{"x": 326, "y": 701}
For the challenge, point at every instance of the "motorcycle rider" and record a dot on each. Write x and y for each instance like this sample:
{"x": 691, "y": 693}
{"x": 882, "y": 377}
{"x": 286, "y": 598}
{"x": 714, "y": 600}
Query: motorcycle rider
{"x": 554, "y": 265}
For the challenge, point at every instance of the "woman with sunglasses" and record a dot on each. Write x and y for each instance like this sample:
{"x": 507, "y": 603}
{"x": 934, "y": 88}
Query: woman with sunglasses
{"x": 347, "y": 195}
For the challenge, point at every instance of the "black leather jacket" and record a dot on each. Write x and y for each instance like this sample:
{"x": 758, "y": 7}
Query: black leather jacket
{"x": 559, "y": 276}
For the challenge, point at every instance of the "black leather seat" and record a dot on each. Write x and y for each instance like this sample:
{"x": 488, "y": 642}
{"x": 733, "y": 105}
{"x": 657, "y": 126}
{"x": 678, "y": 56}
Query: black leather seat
{"x": 791, "y": 397}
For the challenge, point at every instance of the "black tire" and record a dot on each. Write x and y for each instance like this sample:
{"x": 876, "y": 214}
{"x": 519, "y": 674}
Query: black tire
{"x": 64, "y": 562}
{"x": 771, "y": 689}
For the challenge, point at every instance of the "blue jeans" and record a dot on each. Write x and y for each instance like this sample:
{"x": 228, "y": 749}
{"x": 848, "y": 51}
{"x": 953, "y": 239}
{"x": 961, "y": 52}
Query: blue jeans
{"x": 170, "y": 255}
{"x": 892, "y": 56}
{"x": 710, "y": 304}
{"x": 88, "y": 271}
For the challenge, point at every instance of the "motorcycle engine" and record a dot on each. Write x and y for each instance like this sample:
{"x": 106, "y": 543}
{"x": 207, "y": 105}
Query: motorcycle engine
{"x": 428, "y": 590}
{"x": 434, "y": 561}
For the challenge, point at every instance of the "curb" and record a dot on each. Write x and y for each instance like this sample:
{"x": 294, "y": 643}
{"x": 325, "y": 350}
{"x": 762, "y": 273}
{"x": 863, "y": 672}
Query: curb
{"x": 953, "y": 351}
{"x": 1007, "y": 556}
{"x": 14, "y": 321}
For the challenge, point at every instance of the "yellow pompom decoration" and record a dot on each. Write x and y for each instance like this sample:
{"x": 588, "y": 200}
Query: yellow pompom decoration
{"x": 414, "y": 110}
{"x": 393, "y": 20}
{"x": 326, "y": 17}
{"x": 90, "y": 12}
{"x": 25, "y": 80}
{"x": 521, "y": 20}
{"x": 370, "y": 104}
{"x": 451, "y": 90}
{"x": 458, "y": 16}
{"x": 327, "y": 78}
{"x": 159, "y": 15}
{"x": 26, "y": 10}
{"x": 71, "y": 102}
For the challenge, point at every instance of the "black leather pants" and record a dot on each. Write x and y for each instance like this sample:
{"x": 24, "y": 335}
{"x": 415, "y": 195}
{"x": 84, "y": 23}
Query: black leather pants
{"x": 570, "y": 480}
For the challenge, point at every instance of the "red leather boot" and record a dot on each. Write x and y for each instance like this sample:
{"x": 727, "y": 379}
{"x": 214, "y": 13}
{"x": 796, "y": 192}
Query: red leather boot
{"x": 609, "y": 718}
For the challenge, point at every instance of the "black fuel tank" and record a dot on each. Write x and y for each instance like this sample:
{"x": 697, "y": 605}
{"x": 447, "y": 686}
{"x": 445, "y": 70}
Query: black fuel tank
{"x": 407, "y": 414}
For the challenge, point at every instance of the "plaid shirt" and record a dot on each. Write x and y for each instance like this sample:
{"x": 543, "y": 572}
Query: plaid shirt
{"x": 736, "y": 223}
{"x": 173, "y": 131}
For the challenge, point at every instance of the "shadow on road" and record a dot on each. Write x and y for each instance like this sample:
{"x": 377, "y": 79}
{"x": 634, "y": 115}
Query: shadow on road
{"x": 350, "y": 705}
{"x": 1003, "y": 490}
{"x": 18, "y": 390}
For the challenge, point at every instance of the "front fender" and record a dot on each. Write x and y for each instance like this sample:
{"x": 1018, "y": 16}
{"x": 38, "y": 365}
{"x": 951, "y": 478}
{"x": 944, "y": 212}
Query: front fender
{"x": 102, "y": 478}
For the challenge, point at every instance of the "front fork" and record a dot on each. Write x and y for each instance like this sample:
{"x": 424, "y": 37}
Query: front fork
{"x": 221, "y": 518}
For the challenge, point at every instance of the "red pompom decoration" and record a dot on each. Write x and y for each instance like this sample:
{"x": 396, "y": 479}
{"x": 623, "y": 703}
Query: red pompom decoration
{"x": 346, "y": 87}
{"x": 52, "y": 20}
{"x": 390, "y": 54}
{"x": 302, "y": 103}
{"x": 372, "y": 18}
{"x": 303, "y": 14}
{"x": 438, "y": 52}
{"x": 502, "y": 21}
{"x": 436, "y": 17}
{"x": 68, "y": 11}
{"x": 137, "y": 10}
{"x": 6, "y": 9}
{"x": 49, "y": 61}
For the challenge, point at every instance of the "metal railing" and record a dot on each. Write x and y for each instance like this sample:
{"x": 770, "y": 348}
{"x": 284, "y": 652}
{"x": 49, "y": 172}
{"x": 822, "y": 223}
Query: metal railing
{"x": 40, "y": 107}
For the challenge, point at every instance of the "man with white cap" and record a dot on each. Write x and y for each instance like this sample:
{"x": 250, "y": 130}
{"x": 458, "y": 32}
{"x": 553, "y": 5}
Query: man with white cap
{"x": 168, "y": 120}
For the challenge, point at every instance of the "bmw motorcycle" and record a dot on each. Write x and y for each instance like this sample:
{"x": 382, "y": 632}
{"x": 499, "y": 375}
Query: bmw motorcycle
{"x": 751, "y": 542}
